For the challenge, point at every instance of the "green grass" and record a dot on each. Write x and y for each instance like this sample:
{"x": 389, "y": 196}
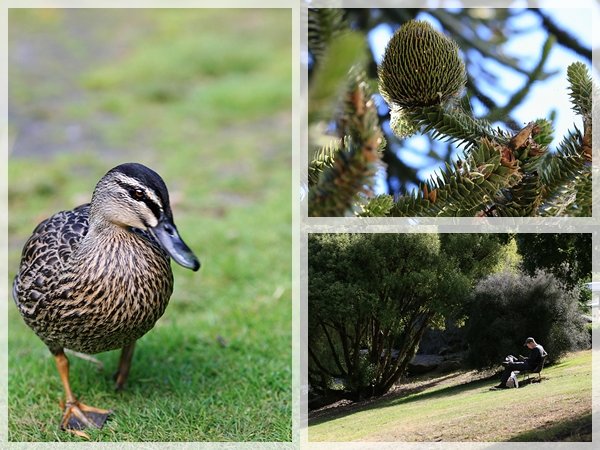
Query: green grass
{"x": 558, "y": 408}
{"x": 204, "y": 98}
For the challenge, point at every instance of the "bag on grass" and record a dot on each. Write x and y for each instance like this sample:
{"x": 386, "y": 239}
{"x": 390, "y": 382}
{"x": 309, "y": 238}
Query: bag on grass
{"x": 512, "y": 381}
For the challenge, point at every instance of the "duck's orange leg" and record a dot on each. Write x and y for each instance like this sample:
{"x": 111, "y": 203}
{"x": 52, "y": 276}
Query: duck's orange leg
{"x": 122, "y": 372}
{"x": 77, "y": 416}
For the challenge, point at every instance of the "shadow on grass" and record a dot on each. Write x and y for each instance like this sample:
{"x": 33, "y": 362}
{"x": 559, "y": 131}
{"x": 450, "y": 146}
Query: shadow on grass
{"x": 404, "y": 396}
{"x": 409, "y": 395}
{"x": 578, "y": 429}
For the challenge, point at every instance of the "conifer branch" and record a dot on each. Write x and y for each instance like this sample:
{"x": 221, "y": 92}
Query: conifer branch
{"x": 421, "y": 77}
{"x": 354, "y": 165}
{"x": 324, "y": 24}
{"x": 379, "y": 206}
{"x": 568, "y": 169}
{"x": 324, "y": 159}
{"x": 453, "y": 125}
{"x": 464, "y": 188}
{"x": 580, "y": 87}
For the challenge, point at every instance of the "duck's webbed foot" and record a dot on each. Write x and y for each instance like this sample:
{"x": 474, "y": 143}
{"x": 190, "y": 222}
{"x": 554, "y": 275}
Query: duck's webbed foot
{"x": 78, "y": 416}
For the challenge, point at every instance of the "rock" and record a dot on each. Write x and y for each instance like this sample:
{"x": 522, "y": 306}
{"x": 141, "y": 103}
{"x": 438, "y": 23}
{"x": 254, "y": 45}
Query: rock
{"x": 449, "y": 366}
{"x": 424, "y": 363}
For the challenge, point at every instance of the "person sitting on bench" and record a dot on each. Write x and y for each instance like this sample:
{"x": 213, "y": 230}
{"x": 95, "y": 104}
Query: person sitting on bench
{"x": 526, "y": 364}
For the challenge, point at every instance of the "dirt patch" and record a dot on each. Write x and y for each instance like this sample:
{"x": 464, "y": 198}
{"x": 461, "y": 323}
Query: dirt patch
{"x": 403, "y": 389}
{"x": 501, "y": 425}
{"x": 460, "y": 407}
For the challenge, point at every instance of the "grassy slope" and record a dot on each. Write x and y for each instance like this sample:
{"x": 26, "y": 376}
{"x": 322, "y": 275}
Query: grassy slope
{"x": 205, "y": 99}
{"x": 554, "y": 409}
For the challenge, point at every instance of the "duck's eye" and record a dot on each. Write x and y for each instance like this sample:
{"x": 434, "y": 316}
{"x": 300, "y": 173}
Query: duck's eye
{"x": 137, "y": 194}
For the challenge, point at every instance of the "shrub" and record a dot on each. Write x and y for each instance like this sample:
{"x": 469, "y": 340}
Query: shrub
{"x": 507, "y": 308}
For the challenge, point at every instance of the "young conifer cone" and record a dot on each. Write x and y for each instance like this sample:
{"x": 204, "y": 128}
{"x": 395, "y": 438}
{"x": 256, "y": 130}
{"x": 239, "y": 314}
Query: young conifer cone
{"x": 420, "y": 67}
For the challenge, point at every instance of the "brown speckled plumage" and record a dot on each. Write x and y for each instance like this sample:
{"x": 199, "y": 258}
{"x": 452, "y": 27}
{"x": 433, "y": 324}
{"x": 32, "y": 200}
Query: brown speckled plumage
{"x": 91, "y": 295}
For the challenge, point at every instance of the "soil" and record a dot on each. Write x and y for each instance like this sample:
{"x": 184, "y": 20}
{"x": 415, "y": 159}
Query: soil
{"x": 404, "y": 388}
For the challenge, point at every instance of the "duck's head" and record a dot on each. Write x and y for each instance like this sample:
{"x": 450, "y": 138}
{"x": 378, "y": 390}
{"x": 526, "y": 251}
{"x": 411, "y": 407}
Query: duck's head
{"x": 133, "y": 196}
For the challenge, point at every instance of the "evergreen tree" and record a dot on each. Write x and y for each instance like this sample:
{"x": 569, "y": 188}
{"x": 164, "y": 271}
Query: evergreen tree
{"x": 500, "y": 173}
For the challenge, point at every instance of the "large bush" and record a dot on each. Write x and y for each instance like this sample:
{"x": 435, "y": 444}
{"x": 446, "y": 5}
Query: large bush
{"x": 508, "y": 307}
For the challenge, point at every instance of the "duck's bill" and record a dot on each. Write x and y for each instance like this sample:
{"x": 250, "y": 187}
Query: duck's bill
{"x": 167, "y": 235}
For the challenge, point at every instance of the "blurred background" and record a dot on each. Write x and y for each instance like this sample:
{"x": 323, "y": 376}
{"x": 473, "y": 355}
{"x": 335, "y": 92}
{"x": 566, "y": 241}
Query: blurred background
{"x": 514, "y": 77}
{"x": 204, "y": 98}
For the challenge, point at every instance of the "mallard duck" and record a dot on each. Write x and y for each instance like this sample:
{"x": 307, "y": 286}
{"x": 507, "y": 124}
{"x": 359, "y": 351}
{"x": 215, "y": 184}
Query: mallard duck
{"x": 98, "y": 277}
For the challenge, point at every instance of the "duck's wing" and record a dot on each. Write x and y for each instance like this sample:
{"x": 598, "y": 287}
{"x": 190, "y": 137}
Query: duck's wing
{"x": 45, "y": 254}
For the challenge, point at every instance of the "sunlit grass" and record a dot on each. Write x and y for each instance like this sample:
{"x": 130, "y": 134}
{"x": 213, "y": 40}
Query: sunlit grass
{"x": 558, "y": 408}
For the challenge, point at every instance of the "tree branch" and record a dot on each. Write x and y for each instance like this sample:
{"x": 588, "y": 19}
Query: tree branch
{"x": 563, "y": 37}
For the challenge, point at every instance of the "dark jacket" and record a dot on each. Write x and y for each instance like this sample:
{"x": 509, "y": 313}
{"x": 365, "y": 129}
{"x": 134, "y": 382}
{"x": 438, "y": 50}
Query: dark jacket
{"x": 535, "y": 357}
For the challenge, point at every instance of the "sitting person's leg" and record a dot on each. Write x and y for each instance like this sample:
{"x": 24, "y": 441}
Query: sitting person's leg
{"x": 508, "y": 368}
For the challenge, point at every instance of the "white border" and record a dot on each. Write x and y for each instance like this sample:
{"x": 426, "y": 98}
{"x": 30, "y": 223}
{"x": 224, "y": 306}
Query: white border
{"x": 301, "y": 225}
{"x": 4, "y": 230}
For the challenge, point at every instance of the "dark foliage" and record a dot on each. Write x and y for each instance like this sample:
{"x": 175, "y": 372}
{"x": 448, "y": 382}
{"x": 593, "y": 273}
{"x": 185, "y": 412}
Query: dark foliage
{"x": 568, "y": 256}
{"x": 507, "y": 308}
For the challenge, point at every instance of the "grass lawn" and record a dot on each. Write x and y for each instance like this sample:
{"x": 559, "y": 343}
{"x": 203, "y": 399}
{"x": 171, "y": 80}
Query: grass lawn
{"x": 204, "y": 98}
{"x": 454, "y": 408}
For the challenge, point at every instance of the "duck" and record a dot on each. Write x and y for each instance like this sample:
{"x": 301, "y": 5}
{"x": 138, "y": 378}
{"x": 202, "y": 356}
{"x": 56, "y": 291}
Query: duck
{"x": 98, "y": 277}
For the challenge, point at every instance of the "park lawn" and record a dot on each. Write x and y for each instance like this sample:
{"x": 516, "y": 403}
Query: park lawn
{"x": 558, "y": 408}
{"x": 204, "y": 98}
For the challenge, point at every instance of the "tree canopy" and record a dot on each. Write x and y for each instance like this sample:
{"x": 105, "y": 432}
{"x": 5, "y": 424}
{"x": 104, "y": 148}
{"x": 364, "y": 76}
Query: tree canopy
{"x": 371, "y": 297}
{"x": 568, "y": 256}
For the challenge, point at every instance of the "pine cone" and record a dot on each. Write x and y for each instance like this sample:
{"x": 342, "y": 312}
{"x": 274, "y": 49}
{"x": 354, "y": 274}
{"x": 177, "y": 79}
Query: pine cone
{"x": 420, "y": 67}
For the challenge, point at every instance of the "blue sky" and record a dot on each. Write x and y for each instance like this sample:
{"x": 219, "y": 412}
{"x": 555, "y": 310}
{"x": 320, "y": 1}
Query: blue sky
{"x": 545, "y": 96}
